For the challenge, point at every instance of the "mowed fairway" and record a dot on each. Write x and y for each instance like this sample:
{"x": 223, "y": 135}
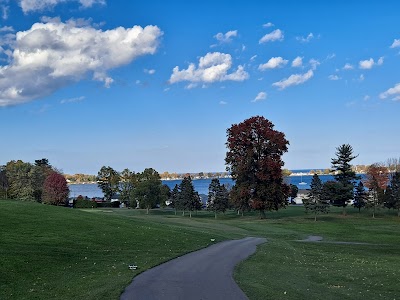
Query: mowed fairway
{"x": 58, "y": 253}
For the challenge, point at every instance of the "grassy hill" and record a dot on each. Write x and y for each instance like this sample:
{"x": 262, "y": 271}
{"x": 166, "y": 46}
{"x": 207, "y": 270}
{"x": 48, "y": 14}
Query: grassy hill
{"x": 58, "y": 253}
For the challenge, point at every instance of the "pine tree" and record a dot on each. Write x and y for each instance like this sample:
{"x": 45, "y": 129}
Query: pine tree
{"x": 344, "y": 175}
{"x": 360, "y": 196}
{"x": 395, "y": 191}
{"x": 217, "y": 197}
{"x": 315, "y": 201}
{"x": 188, "y": 198}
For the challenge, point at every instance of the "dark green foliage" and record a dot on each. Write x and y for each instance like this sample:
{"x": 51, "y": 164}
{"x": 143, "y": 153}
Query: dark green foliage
{"x": 19, "y": 178}
{"x": 360, "y": 196}
{"x": 392, "y": 193}
{"x": 218, "y": 198}
{"x": 254, "y": 160}
{"x": 127, "y": 184}
{"x": 344, "y": 175}
{"x": 85, "y": 203}
{"x": 108, "y": 181}
{"x": 376, "y": 196}
{"x": 149, "y": 191}
{"x": 175, "y": 198}
{"x": 3, "y": 183}
{"x": 294, "y": 190}
{"x": 189, "y": 199}
{"x": 316, "y": 202}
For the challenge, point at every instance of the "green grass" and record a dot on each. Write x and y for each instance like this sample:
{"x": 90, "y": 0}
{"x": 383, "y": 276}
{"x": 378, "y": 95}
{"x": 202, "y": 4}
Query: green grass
{"x": 53, "y": 252}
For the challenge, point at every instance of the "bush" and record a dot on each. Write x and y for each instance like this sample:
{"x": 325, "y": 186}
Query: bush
{"x": 104, "y": 204}
{"x": 82, "y": 203}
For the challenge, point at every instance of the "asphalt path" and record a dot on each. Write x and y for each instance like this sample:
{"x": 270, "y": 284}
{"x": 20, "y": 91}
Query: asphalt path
{"x": 205, "y": 274}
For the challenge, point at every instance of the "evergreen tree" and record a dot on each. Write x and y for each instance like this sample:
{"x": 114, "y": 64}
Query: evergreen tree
{"x": 315, "y": 201}
{"x": 294, "y": 190}
{"x": 175, "y": 197}
{"x": 344, "y": 175}
{"x": 360, "y": 196}
{"x": 187, "y": 197}
{"x": 217, "y": 197}
{"x": 394, "y": 191}
{"x": 149, "y": 191}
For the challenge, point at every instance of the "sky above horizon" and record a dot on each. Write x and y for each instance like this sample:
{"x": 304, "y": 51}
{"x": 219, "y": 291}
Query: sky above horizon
{"x": 87, "y": 83}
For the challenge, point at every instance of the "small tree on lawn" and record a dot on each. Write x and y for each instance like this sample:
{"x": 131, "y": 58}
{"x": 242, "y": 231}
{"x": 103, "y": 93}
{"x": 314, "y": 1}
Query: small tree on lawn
{"x": 294, "y": 190}
{"x": 395, "y": 192}
{"x": 55, "y": 189}
{"x": 360, "y": 196}
{"x": 344, "y": 175}
{"x": 188, "y": 198}
{"x": 108, "y": 181}
{"x": 149, "y": 191}
{"x": 376, "y": 181}
{"x": 127, "y": 184}
{"x": 315, "y": 201}
{"x": 175, "y": 193}
{"x": 217, "y": 197}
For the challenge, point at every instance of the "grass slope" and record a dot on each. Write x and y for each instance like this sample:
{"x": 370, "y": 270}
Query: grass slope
{"x": 52, "y": 252}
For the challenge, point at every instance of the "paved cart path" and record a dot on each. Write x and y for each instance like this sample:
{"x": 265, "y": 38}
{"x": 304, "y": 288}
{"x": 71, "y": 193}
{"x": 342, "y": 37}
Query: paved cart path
{"x": 205, "y": 274}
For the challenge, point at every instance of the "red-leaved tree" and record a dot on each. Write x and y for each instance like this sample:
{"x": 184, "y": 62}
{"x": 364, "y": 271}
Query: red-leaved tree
{"x": 55, "y": 189}
{"x": 254, "y": 160}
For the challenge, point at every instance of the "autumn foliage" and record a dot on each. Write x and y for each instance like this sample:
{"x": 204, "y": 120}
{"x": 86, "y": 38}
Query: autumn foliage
{"x": 55, "y": 189}
{"x": 254, "y": 160}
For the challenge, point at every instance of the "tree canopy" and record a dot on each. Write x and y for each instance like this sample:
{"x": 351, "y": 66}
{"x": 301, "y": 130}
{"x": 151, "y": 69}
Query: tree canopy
{"x": 254, "y": 159}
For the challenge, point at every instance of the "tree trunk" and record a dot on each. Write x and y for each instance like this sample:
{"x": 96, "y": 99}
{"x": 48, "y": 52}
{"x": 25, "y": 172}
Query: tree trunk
{"x": 359, "y": 209}
{"x": 262, "y": 214}
{"x": 398, "y": 212}
{"x": 315, "y": 216}
{"x": 344, "y": 211}
{"x": 183, "y": 213}
{"x": 373, "y": 213}
{"x": 238, "y": 212}
{"x": 175, "y": 211}
{"x": 215, "y": 214}
{"x": 147, "y": 210}
{"x": 242, "y": 213}
{"x": 190, "y": 213}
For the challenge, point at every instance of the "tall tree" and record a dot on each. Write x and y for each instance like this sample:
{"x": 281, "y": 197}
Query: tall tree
{"x": 394, "y": 192}
{"x": 128, "y": 182}
{"x": 175, "y": 193}
{"x": 149, "y": 191}
{"x": 376, "y": 181}
{"x": 39, "y": 172}
{"x": 294, "y": 190}
{"x": 20, "y": 183}
{"x": 55, "y": 189}
{"x": 188, "y": 198}
{"x": 315, "y": 202}
{"x": 108, "y": 181}
{"x": 217, "y": 200}
{"x": 254, "y": 159}
{"x": 344, "y": 175}
{"x": 3, "y": 182}
{"x": 360, "y": 196}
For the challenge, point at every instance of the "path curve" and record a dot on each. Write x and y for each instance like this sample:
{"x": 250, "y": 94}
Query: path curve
{"x": 204, "y": 274}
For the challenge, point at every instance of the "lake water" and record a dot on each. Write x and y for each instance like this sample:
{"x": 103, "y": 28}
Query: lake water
{"x": 200, "y": 185}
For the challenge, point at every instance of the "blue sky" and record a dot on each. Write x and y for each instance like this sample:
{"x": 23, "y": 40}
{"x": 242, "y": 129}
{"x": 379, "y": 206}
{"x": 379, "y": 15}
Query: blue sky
{"x": 87, "y": 83}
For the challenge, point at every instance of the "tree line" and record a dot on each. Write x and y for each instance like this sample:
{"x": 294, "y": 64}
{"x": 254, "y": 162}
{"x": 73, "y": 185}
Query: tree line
{"x": 38, "y": 182}
{"x": 381, "y": 188}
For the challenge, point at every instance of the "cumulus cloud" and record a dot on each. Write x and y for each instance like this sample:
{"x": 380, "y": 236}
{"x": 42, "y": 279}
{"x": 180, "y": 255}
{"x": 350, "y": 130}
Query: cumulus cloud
{"x": 52, "y": 55}
{"x": 297, "y": 62}
{"x": 253, "y": 57}
{"x": 314, "y": 63}
{"x": 394, "y": 91}
{"x": 260, "y": 96}
{"x": 227, "y": 37}
{"x": 333, "y": 77}
{"x": 273, "y": 63}
{"x": 348, "y": 67}
{"x": 4, "y": 11}
{"x": 369, "y": 63}
{"x": 276, "y": 35}
{"x": 294, "y": 79}
{"x": 396, "y": 44}
{"x": 306, "y": 39}
{"x": 213, "y": 67}
{"x": 40, "y": 5}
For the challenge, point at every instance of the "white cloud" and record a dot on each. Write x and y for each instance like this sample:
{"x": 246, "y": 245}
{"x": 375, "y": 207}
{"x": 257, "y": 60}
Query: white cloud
{"x": 367, "y": 97}
{"x": 333, "y": 77}
{"x": 348, "y": 67}
{"x": 72, "y": 100}
{"x": 331, "y": 56}
{"x": 273, "y": 63}
{"x": 40, "y": 5}
{"x": 294, "y": 79}
{"x": 6, "y": 29}
{"x": 253, "y": 57}
{"x": 191, "y": 86}
{"x": 276, "y": 35}
{"x": 223, "y": 102}
{"x": 227, "y": 37}
{"x": 260, "y": 96}
{"x": 267, "y": 25}
{"x": 396, "y": 43}
{"x": 213, "y": 67}
{"x": 314, "y": 63}
{"x": 151, "y": 71}
{"x": 369, "y": 63}
{"x": 4, "y": 11}
{"x": 361, "y": 78}
{"x": 297, "y": 62}
{"x": 52, "y": 55}
{"x": 306, "y": 39}
{"x": 394, "y": 91}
